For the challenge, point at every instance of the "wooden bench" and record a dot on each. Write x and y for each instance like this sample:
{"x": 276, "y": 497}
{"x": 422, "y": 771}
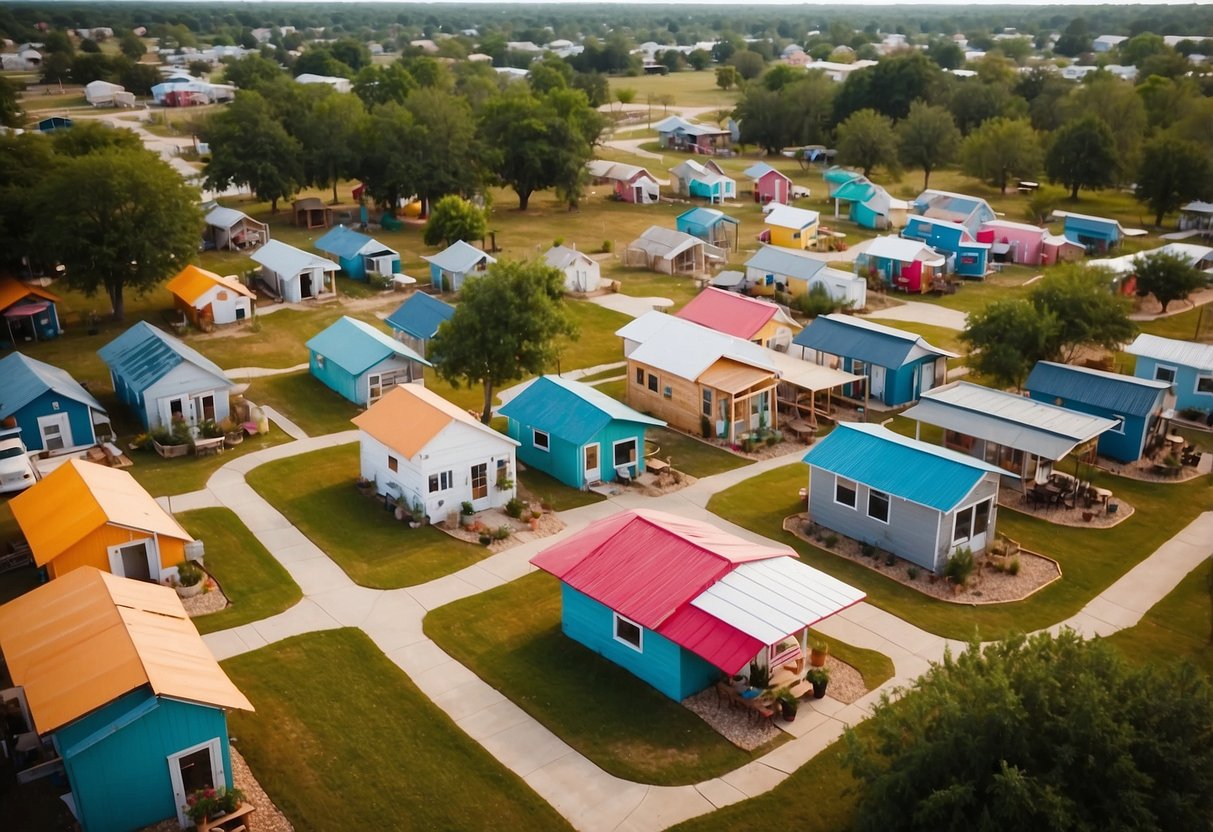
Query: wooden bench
{"x": 231, "y": 822}
{"x": 203, "y": 447}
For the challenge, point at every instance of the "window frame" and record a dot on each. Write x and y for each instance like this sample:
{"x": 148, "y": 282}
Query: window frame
{"x": 546, "y": 447}
{"x": 854, "y": 488}
{"x": 393, "y": 464}
{"x": 1174, "y": 371}
{"x": 1203, "y": 377}
{"x": 654, "y": 384}
{"x": 888, "y": 505}
{"x": 640, "y": 376}
{"x": 956, "y": 541}
{"x": 616, "y": 619}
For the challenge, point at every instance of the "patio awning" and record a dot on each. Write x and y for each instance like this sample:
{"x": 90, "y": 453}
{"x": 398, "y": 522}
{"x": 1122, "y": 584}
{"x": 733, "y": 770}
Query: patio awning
{"x": 733, "y": 377}
{"x": 807, "y": 375}
{"x": 26, "y": 310}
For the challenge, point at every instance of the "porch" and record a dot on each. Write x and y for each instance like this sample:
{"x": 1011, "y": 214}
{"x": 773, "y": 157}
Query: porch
{"x": 740, "y": 397}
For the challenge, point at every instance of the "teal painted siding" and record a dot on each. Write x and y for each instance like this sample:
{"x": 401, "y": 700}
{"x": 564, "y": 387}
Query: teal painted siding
{"x": 697, "y": 674}
{"x": 660, "y": 663}
{"x": 121, "y": 782}
{"x": 565, "y": 461}
{"x": 78, "y": 414}
{"x": 1186, "y": 384}
{"x": 353, "y": 266}
{"x": 334, "y": 377}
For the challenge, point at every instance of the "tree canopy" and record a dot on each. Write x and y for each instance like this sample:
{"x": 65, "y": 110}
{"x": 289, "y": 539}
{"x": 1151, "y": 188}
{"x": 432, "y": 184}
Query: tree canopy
{"x": 1168, "y": 277}
{"x": 1173, "y": 171}
{"x": 453, "y": 219}
{"x": 866, "y": 140}
{"x": 928, "y": 139}
{"x": 251, "y": 148}
{"x": 1088, "y": 312}
{"x": 1083, "y": 155}
{"x": 1000, "y": 149}
{"x": 1007, "y": 338}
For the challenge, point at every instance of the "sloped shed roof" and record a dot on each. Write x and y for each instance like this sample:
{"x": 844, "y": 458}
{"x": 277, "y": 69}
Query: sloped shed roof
{"x": 570, "y": 410}
{"x": 24, "y": 379}
{"x": 870, "y": 342}
{"x": 1125, "y": 395}
{"x": 356, "y": 346}
{"x": 420, "y": 315}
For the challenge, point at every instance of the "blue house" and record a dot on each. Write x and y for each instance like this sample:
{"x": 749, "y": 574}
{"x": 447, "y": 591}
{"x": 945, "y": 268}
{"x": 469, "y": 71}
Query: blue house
{"x": 357, "y": 253}
{"x": 449, "y": 267}
{"x": 416, "y": 320}
{"x": 1186, "y": 366}
{"x": 361, "y": 363}
{"x": 710, "y": 225}
{"x": 53, "y": 123}
{"x": 575, "y": 433}
{"x": 1097, "y": 234}
{"x": 52, "y": 410}
{"x": 898, "y": 366}
{"x": 1134, "y": 404}
{"x": 30, "y": 312}
{"x": 116, "y": 677}
{"x": 966, "y": 256}
{"x": 970, "y": 211}
{"x": 916, "y": 500}
{"x": 681, "y": 604}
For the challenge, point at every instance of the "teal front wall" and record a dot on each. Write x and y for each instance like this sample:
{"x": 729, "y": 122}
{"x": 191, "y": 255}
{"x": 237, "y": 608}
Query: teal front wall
{"x": 865, "y": 217}
{"x": 334, "y": 377}
{"x": 353, "y": 266}
{"x": 79, "y": 417}
{"x": 121, "y": 782}
{"x": 902, "y": 385}
{"x": 676, "y": 672}
{"x": 564, "y": 460}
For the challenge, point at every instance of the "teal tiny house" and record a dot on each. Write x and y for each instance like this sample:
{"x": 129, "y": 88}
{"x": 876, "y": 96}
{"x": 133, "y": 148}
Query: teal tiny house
{"x": 358, "y": 254}
{"x": 575, "y": 433}
{"x": 361, "y": 363}
{"x": 52, "y": 410}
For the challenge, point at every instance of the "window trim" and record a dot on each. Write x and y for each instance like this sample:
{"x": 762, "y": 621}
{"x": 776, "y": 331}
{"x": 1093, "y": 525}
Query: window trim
{"x": 1173, "y": 370}
{"x": 546, "y": 447}
{"x": 888, "y": 504}
{"x": 654, "y": 384}
{"x": 638, "y": 646}
{"x": 393, "y": 464}
{"x": 854, "y": 490}
{"x": 957, "y": 541}
{"x": 640, "y": 376}
{"x": 1119, "y": 427}
{"x": 1196, "y": 386}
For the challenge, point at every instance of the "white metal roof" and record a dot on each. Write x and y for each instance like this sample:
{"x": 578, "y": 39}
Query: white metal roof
{"x": 686, "y": 349}
{"x": 222, "y": 217}
{"x": 787, "y": 216}
{"x": 770, "y": 598}
{"x": 899, "y": 248}
{"x": 1019, "y": 226}
{"x": 288, "y": 260}
{"x": 1198, "y": 207}
{"x": 1171, "y": 350}
{"x": 665, "y": 242}
{"x": 806, "y": 374}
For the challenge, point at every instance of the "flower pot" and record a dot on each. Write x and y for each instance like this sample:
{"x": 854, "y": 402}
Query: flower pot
{"x": 465, "y": 519}
{"x": 1087, "y": 515}
{"x": 534, "y": 522}
{"x": 788, "y": 709}
{"x": 817, "y": 658}
{"x": 819, "y": 689}
{"x": 233, "y": 439}
{"x": 190, "y": 591}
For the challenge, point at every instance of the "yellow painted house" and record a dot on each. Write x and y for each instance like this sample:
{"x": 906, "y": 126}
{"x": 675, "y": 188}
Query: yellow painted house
{"x": 85, "y": 514}
{"x": 791, "y": 227}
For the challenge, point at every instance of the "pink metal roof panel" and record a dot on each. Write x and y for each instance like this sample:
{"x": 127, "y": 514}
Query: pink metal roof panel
{"x": 728, "y": 312}
{"x": 711, "y": 639}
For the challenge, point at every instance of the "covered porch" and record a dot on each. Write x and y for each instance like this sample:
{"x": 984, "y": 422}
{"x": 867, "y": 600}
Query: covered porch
{"x": 805, "y": 393}
{"x": 738, "y": 398}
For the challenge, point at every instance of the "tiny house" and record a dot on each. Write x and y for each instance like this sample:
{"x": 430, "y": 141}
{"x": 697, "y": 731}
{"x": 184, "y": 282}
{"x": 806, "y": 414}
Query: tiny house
{"x": 710, "y": 225}
{"x": 451, "y": 266}
{"x": 965, "y": 255}
{"x": 30, "y": 312}
{"x": 582, "y": 273}
{"x": 906, "y": 265}
{"x": 751, "y": 319}
{"x": 358, "y": 254}
{"x": 629, "y": 183}
{"x": 706, "y": 180}
{"x": 768, "y": 184}
{"x": 294, "y": 275}
{"x": 1185, "y": 365}
{"x": 416, "y": 320}
{"x": 53, "y": 411}
{"x": 360, "y": 363}
{"x": 773, "y": 269}
{"x": 206, "y": 298}
{"x": 790, "y": 227}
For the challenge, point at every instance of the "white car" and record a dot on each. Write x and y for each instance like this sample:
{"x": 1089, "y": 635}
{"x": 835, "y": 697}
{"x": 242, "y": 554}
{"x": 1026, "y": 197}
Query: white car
{"x": 16, "y": 471}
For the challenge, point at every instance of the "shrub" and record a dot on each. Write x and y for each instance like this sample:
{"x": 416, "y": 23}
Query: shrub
{"x": 378, "y": 280}
{"x": 816, "y": 301}
{"x": 559, "y": 241}
{"x": 514, "y": 507}
{"x": 890, "y": 559}
{"x": 485, "y": 539}
{"x": 1013, "y": 566}
{"x": 502, "y": 532}
{"x": 831, "y": 541}
{"x": 189, "y": 573}
{"x": 868, "y": 550}
{"x": 705, "y": 427}
{"x": 210, "y": 430}
{"x": 607, "y": 246}
{"x": 912, "y": 573}
{"x": 960, "y": 566}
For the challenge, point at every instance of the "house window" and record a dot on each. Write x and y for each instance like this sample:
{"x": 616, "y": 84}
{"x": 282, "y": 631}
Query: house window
{"x": 441, "y": 481}
{"x": 1119, "y": 427}
{"x": 707, "y": 402}
{"x": 653, "y": 382}
{"x": 480, "y": 481}
{"x": 981, "y": 517}
{"x": 964, "y": 525}
{"x": 878, "y": 505}
{"x": 1164, "y": 373}
{"x": 640, "y": 376}
{"x": 392, "y": 463}
{"x": 844, "y": 492}
{"x": 629, "y": 632}
{"x": 1204, "y": 384}
{"x": 540, "y": 440}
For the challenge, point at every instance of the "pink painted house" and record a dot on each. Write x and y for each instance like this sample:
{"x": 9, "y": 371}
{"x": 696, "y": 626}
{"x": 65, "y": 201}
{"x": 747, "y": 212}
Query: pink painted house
{"x": 1024, "y": 244}
{"x": 769, "y": 184}
{"x": 631, "y": 183}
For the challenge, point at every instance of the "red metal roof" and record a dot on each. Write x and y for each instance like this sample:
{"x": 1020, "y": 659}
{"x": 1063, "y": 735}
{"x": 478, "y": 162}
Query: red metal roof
{"x": 711, "y": 639}
{"x": 728, "y": 312}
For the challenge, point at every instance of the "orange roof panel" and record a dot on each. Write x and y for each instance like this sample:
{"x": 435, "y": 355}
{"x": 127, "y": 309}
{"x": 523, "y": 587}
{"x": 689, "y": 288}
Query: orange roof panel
{"x": 13, "y": 290}
{"x": 409, "y": 416}
{"x": 88, "y": 637}
{"x": 192, "y": 282}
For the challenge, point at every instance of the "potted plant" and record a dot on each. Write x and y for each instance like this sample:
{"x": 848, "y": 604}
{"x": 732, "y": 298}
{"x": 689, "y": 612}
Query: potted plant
{"x": 365, "y": 487}
{"x": 206, "y": 804}
{"x": 233, "y": 434}
{"x": 818, "y": 650}
{"x": 504, "y": 481}
{"x": 418, "y": 515}
{"x": 465, "y": 513}
{"x": 485, "y": 538}
{"x": 189, "y": 579}
{"x": 788, "y": 704}
{"x": 534, "y": 520}
{"x": 819, "y": 678}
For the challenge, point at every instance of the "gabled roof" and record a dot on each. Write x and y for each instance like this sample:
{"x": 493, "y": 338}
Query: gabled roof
{"x": 13, "y": 290}
{"x": 705, "y": 217}
{"x": 892, "y": 247}
{"x": 409, "y": 416}
{"x": 690, "y": 169}
{"x": 665, "y": 242}
{"x": 1173, "y": 351}
{"x": 733, "y": 314}
{"x": 717, "y": 595}
{"x": 947, "y": 205}
{"x": 787, "y": 216}
{"x": 222, "y": 217}
{"x": 79, "y": 497}
{"x": 907, "y": 468}
{"x": 777, "y": 260}
{"x": 674, "y": 124}
{"x": 856, "y": 190}
{"x": 760, "y": 169}
{"x": 278, "y": 257}
{"x": 947, "y": 225}
{"x": 570, "y": 410}
{"x": 23, "y": 379}
{"x": 356, "y": 346}
{"x": 615, "y": 171}
{"x": 345, "y": 243}
{"x": 420, "y": 315}
{"x": 1014, "y": 226}
{"x": 143, "y": 355}
{"x": 459, "y": 258}
{"x": 1123, "y": 395}
{"x": 872, "y": 343}
{"x": 561, "y": 257}
{"x": 1008, "y": 419}
{"x": 192, "y": 282}
{"x": 88, "y": 637}
{"x": 687, "y": 349}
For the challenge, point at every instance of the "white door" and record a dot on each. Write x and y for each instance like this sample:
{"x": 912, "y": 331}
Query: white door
{"x": 592, "y": 463}
{"x": 928, "y": 377}
{"x": 136, "y": 560}
{"x": 479, "y": 476}
{"x": 877, "y": 381}
{"x": 198, "y": 767}
{"x": 56, "y": 432}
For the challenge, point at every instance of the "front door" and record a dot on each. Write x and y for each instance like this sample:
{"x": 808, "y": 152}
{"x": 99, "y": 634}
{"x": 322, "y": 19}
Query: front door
{"x": 927, "y": 377}
{"x": 877, "y": 381}
{"x": 305, "y": 285}
{"x": 199, "y": 767}
{"x": 134, "y": 560}
{"x": 56, "y": 432}
{"x": 204, "y": 407}
{"x": 480, "y": 482}
{"x": 592, "y": 467}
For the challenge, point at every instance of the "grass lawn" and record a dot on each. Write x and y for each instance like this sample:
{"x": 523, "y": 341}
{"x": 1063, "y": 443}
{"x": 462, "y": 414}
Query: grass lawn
{"x": 596, "y": 341}
{"x": 693, "y": 457}
{"x": 642, "y": 283}
{"x": 37, "y": 105}
{"x": 603, "y": 375}
{"x": 316, "y": 493}
{"x": 689, "y": 89}
{"x": 166, "y": 477}
{"x": 1186, "y": 326}
{"x": 938, "y": 336}
{"x": 1177, "y": 627}
{"x": 510, "y": 636}
{"x": 1091, "y": 559}
{"x": 342, "y": 739}
{"x": 256, "y": 585}
{"x": 975, "y": 295}
{"x": 550, "y": 490}
{"x": 305, "y": 401}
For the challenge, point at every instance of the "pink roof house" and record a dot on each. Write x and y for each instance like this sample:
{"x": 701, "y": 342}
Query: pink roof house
{"x": 750, "y": 319}
{"x": 769, "y": 184}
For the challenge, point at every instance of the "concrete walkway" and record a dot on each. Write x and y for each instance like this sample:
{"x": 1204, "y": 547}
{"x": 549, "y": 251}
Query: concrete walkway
{"x": 588, "y": 797}
{"x": 246, "y": 373}
{"x": 630, "y": 306}
{"x": 923, "y": 313}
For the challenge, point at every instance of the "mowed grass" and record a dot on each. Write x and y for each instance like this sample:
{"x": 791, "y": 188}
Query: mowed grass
{"x": 688, "y": 89}
{"x": 316, "y": 493}
{"x": 1176, "y": 628}
{"x": 304, "y": 400}
{"x": 342, "y": 739}
{"x": 510, "y": 636}
{"x": 1191, "y": 325}
{"x": 690, "y": 456}
{"x": 255, "y": 584}
{"x": 166, "y": 477}
{"x": 536, "y": 485}
{"x": 1091, "y": 559}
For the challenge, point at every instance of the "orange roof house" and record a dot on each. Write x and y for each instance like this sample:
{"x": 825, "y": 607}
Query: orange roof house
{"x": 116, "y": 672}
{"x": 418, "y": 446}
{"x": 84, "y": 514}
{"x": 206, "y": 297}
{"x": 27, "y": 313}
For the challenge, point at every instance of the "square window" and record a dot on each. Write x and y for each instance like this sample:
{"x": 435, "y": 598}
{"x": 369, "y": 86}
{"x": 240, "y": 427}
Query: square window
{"x": 392, "y": 463}
{"x": 1204, "y": 384}
{"x": 628, "y": 632}
{"x": 653, "y": 382}
{"x": 844, "y": 492}
{"x": 878, "y": 505}
{"x": 540, "y": 440}
{"x": 433, "y": 483}
{"x": 1162, "y": 373}
{"x": 640, "y": 375}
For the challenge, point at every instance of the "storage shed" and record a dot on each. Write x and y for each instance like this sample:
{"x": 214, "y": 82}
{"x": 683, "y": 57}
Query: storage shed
{"x": 416, "y": 320}
{"x": 227, "y": 228}
{"x": 768, "y": 184}
{"x": 295, "y": 275}
{"x": 582, "y": 273}
{"x": 451, "y": 266}
{"x": 710, "y": 225}
{"x": 358, "y": 254}
{"x": 359, "y": 362}
{"x": 207, "y": 298}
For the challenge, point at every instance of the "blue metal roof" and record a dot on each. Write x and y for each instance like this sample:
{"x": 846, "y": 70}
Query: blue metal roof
{"x": 355, "y": 346}
{"x": 704, "y": 217}
{"x": 420, "y": 316}
{"x": 570, "y": 410}
{"x": 1122, "y": 395}
{"x": 916, "y": 471}
{"x": 143, "y": 355}
{"x": 839, "y": 335}
{"x": 780, "y": 261}
{"x": 459, "y": 258}
{"x": 23, "y": 379}
{"x": 856, "y": 190}
{"x": 343, "y": 242}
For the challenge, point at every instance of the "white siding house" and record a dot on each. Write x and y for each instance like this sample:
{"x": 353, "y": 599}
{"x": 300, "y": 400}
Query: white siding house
{"x": 295, "y": 275}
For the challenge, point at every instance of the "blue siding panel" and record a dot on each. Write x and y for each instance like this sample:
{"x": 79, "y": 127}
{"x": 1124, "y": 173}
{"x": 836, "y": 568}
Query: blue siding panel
{"x": 332, "y": 376}
{"x": 1125, "y": 445}
{"x": 79, "y": 418}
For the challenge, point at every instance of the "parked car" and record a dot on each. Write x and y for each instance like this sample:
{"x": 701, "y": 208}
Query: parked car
{"x": 16, "y": 471}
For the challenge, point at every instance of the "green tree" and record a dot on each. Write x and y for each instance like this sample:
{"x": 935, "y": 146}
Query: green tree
{"x": 1172, "y": 172}
{"x": 250, "y": 148}
{"x": 329, "y": 139}
{"x": 91, "y": 137}
{"x": 748, "y": 63}
{"x": 973, "y": 103}
{"x": 1168, "y": 277}
{"x": 1075, "y": 40}
{"x": 388, "y": 172}
{"x": 125, "y": 220}
{"x": 892, "y": 86}
{"x": 11, "y": 114}
{"x": 1043, "y": 201}
{"x": 780, "y": 76}
{"x": 132, "y": 46}
{"x": 1007, "y": 338}
{"x": 727, "y": 77}
{"x": 448, "y": 151}
{"x": 506, "y": 326}
{"x": 455, "y": 218}
{"x": 90, "y": 45}
{"x": 1117, "y": 105}
{"x": 249, "y": 72}
{"x": 699, "y": 59}
{"x": 1040, "y": 732}
{"x": 763, "y": 119}
{"x": 999, "y": 149}
{"x": 625, "y": 95}
{"x": 1082, "y": 155}
{"x": 1136, "y": 49}
{"x": 319, "y": 60}
{"x": 867, "y": 139}
{"x": 351, "y": 52}
{"x": 138, "y": 78}
{"x": 928, "y": 139}
{"x": 1087, "y": 311}
{"x": 25, "y": 160}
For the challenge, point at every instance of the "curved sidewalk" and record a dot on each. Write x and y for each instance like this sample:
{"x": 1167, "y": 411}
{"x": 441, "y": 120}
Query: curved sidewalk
{"x": 588, "y": 797}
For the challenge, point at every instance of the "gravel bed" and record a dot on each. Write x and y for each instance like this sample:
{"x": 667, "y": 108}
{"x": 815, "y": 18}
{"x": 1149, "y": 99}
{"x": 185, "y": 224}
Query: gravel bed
{"x": 846, "y": 683}
{"x": 495, "y": 518}
{"x": 210, "y": 600}
{"x": 734, "y": 724}
{"x": 267, "y": 818}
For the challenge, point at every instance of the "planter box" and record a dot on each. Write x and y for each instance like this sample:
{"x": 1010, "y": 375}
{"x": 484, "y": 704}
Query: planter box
{"x": 170, "y": 451}
{"x": 190, "y": 591}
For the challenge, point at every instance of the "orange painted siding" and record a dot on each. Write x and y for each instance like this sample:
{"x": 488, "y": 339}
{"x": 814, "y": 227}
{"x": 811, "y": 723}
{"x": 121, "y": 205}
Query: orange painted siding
{"x": 93, "y": 550}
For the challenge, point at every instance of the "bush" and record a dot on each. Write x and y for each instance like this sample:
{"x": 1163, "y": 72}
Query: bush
{"x": 868, "y": 550}
{"x": 514, "y": 507}
{"x": 607, "y": 246}
{"x": 831, "y": 541}
{"x": 189, "y": 573}
{"x": 890, "y": 559}
{"x": 485, "y": 539}
{"x": 502, "y": 532}
{"x": 960, "y": 566}
{"x": 912, "y": 572}
{"x": 1013, "y": 566}
{"x": 559, "y": 241}
{"x": 210, "y": 430}
{"x": 816, "y": 301}
{"x": 378, "y": 280}
{"x": 705, "y": 427}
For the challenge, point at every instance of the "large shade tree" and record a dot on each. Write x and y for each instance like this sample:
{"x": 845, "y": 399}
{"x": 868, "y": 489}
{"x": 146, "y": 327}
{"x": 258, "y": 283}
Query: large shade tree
{"x": 124, "y": 220}
{"x": 1083, "y": 155}
{"x": 1007, "y": 337}
{"x": 250, "y": 148}
{"x": 867, "y": 140}
{"x": 507, "y": 325}
{"x": 455, "y": 218}
{"x": 1088, "y": 312}
{"x": 1173, "y": 171}
{"x": 1000, "y": 149}
{"x": 928, "y": 139}
{"x": 1168, "y": 277}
